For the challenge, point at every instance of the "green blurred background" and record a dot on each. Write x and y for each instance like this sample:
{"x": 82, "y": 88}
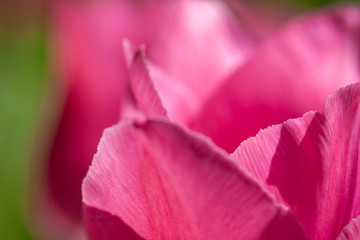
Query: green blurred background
{"x": 23, "y": 75}
{"x": 25, "y": 33}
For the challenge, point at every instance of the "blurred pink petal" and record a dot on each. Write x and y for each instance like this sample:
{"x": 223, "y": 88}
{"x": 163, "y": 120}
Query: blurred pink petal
{"x": 311, "y": 164}
{"x": 155, "y": 180}
{"x": 191, "y": 56}
{"x": 351, "y": 231}
{"x": 290, "y": 73}
{"x": 200, "y": 43}
{"x": 93, "y": 73}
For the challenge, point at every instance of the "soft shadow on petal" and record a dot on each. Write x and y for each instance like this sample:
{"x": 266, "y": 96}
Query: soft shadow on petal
{"x": 261, "y": 18}
{"x": 311, "y": 164}
{"x": 103, "y": 225}
{"x": 289, "y": 74}
{"x": 167, "y": 182}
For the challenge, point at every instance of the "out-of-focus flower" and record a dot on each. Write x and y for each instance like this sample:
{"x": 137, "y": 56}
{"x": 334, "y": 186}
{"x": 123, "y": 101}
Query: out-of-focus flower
{"x": 290, "y": 73}
{"x": 201, "y": 69}
{"x": 152, "y": 179}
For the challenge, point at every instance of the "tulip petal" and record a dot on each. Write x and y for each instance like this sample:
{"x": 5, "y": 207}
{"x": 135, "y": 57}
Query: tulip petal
{"x": 153, "y": 92}
{"x": 93, "y": 73}
{"x": 142, "y": 89}
{"x": 289, "y": 74}
{"x": 180, "y": 102}
{"x": 103, "y": 225}
{"x": 311, "y": 164}
{"x": 189, "y": 58}
{"x": 165, "y": 182}
{"x": 199, "y": 52}
{"x": 351, "y": 231}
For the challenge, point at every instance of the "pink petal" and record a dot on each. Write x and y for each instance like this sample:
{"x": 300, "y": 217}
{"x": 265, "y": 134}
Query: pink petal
{"x": 155, "y": 180}
{"x": 189, "y": 58}
{"x": 290, "y": 73}
{"x": 88, "y": 38}
{"x": 154, "y": 93}
{"x": 180, "y": 102}
{"x": 351, "y": 231}
{"x": 103, "y": 225}
{"x": 311, "y": 164}
{"x": 199, "y": 44}
{"x": 143, "y": 93}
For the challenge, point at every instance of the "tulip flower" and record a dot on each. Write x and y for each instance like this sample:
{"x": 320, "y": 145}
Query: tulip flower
{"x": 94, "y": 76}
{"x": 154, "y": 179}
{"x": 92, "y": 73}
{"x": 207, "y": 74}
{"x": 288, "y": 74}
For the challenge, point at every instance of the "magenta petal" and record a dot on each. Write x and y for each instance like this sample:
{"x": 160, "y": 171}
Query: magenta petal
{"x": 200, "y": 51}
{"x": 291, "y": 73}
{"x": 166, "y": 182}
{"x": 311, "y": 164}
{"x": 189, "y": 59}
{"x": 351, "y": 231}
{"x": 180, "y": 102}
{"x": 154, "y": 93}
{"x": 96, "y": 220}
{"x": 143, "y": 93}
{"x": 92, "y": 71}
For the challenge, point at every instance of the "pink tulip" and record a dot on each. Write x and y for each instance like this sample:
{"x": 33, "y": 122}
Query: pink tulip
{"x": 90, "y": 58}
{"x": 89, "y": 40}
{"x": 288, "y": 74}
{"x": 153, "y": 179}
{"x": 206, "y": 73}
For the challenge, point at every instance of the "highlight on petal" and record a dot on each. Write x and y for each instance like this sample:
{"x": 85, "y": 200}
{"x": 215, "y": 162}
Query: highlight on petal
{"x": 190, "y": 57}
{"x": 156, "y": 180}
{"x": 351, "y": 231}
{"x": 201, "y": 51}
{"x": 290, "y": 73}
{"x": 311, "y": 164}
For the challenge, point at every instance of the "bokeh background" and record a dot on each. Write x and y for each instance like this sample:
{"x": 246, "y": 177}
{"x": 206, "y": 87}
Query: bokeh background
{"x": 29, "y": 101}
